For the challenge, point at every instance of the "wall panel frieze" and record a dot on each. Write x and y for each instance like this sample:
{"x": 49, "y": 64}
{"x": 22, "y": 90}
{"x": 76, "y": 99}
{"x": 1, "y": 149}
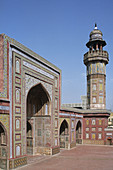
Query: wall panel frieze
{"x": 37, "y": 69}
{"x": 31, "y": 81}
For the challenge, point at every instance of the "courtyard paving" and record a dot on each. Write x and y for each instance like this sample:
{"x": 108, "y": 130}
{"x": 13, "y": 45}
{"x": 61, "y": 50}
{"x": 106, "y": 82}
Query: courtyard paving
{"x": 83, "y": 157}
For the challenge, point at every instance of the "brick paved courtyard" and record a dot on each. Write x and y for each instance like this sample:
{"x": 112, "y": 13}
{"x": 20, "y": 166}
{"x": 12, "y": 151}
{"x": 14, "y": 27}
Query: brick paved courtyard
{"x": 83, "y": 157}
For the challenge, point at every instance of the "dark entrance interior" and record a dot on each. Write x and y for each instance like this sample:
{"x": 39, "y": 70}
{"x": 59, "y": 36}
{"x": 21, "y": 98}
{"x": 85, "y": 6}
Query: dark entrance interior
{"x": 37, "y": 101}
{"x": 38, "y": 110}
{"x": 79, "y": 133}
{"x": 64, "y": 135}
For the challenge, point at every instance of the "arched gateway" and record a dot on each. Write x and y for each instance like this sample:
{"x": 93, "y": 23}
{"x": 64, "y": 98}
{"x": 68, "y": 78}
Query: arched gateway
{"x": 38, "y": 119}
{"x": 64, "y": 134}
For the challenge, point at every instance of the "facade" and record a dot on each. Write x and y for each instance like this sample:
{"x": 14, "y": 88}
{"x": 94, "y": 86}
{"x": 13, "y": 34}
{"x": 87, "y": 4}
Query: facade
{"x": 29, "y": 104}
{"x": 94, "y": 123}
{"x": 32, "y": 120}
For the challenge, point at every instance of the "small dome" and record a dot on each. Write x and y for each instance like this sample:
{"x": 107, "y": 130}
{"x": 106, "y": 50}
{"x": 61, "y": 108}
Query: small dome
{"x": 96, "y": 34}
{"x": 95, "y": 37}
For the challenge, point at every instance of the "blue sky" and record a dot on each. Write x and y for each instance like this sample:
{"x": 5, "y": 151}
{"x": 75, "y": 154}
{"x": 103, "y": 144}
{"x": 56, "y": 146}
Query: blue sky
{"x": 58, "y": 31}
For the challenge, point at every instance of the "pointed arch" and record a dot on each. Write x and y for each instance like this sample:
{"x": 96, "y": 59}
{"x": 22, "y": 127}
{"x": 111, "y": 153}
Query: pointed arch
{"x": 64, "y": 134}
{"x": 40, "y": 84}
{"x": 79, "y": 132}
{"x": 64, "y": 127}
{"x": 79, "y": 126}
{"x": 38, "y": 101}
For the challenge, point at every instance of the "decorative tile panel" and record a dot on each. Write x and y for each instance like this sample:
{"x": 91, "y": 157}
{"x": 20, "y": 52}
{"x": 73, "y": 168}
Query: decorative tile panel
{"x": 17, "y": 123}
{"x": 17, "y": 80}
{"x": 17, "y": 110}
{"x": 31, "y": 81}
{"x": 37, "y": 69}
{"x": 18, "y": 95}
{"x": 17, "y": 137}
{"x": 4, "y": 93}
{"x": 18, "y": 149}
{"x": 18, "y": 65}
{"x": 4, "y": 119}
{"x": 56, "y": 123}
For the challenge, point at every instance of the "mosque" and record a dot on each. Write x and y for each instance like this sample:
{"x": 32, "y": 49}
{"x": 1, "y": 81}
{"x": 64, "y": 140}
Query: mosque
{"x": 32, "y": 119}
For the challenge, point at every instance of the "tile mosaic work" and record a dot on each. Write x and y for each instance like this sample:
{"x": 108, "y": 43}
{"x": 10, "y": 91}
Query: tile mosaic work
{"x": 96, "y": 68}
{"x": 17, "y": 109}
{"x": 5, "y": 53}
{"x": 17, "y": 137}
{"x": 19, "y": 162}
{"x": 18, "y": 150}
{"x": 31, "y": 81}
{"x": 37, "y": 69}
{"x": 18, "y": 80}
{"x": 17, "y": 123}
{"x": 4, "y": 119}
{"x": 18, "y": 95}
{"x": 18, "y": 65}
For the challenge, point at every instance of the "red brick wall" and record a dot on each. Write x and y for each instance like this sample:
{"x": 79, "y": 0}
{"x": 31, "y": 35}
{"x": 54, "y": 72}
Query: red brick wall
{"x": 96, "y": 126}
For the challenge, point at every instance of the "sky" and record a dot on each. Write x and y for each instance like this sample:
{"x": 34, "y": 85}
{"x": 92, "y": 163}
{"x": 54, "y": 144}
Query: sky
{"x": 58, "y": 30}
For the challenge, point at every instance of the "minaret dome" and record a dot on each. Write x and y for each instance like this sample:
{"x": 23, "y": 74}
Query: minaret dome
{"x": 95, "y": 37}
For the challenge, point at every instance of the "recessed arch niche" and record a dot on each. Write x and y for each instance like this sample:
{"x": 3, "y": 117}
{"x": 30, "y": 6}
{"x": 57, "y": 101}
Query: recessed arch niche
{"x": 38, "y": 101}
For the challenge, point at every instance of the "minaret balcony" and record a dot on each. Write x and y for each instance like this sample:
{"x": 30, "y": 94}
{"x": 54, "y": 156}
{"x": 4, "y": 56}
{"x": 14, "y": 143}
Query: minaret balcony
{"x": 96, "y": 55}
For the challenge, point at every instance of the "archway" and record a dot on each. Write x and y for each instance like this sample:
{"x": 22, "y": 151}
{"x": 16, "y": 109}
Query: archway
{"x": 64, "y": 134}
{"x": 38, "y": 101}
{"x": 38, "y": 119}
{"x": 3, "y": 147}
{"x": 79, "y": 133}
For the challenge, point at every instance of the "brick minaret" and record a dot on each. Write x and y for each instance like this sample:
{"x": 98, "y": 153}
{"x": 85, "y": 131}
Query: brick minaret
{"x": 95, "y": 60}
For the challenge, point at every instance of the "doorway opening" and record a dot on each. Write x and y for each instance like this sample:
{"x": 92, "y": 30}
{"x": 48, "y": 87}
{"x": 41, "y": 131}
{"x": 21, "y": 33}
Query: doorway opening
{"x": 64, "y": 134}
{"x": 79, "y": 133}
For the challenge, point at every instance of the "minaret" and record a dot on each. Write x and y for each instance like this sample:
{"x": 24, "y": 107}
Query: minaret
{"x": 95, "y": 60}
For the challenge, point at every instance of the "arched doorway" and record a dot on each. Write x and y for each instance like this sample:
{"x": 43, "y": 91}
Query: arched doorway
{"x": 3, "y": 147}
{"x": 38, "y": 101}
{"x": 64, "y": 134}
{"x": 79, "y": 133}
{"x": 38, "y": 119}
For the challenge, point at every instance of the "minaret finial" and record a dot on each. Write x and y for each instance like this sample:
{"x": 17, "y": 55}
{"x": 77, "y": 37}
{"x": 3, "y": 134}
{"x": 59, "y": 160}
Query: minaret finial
{"x": 95, "y": 26}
